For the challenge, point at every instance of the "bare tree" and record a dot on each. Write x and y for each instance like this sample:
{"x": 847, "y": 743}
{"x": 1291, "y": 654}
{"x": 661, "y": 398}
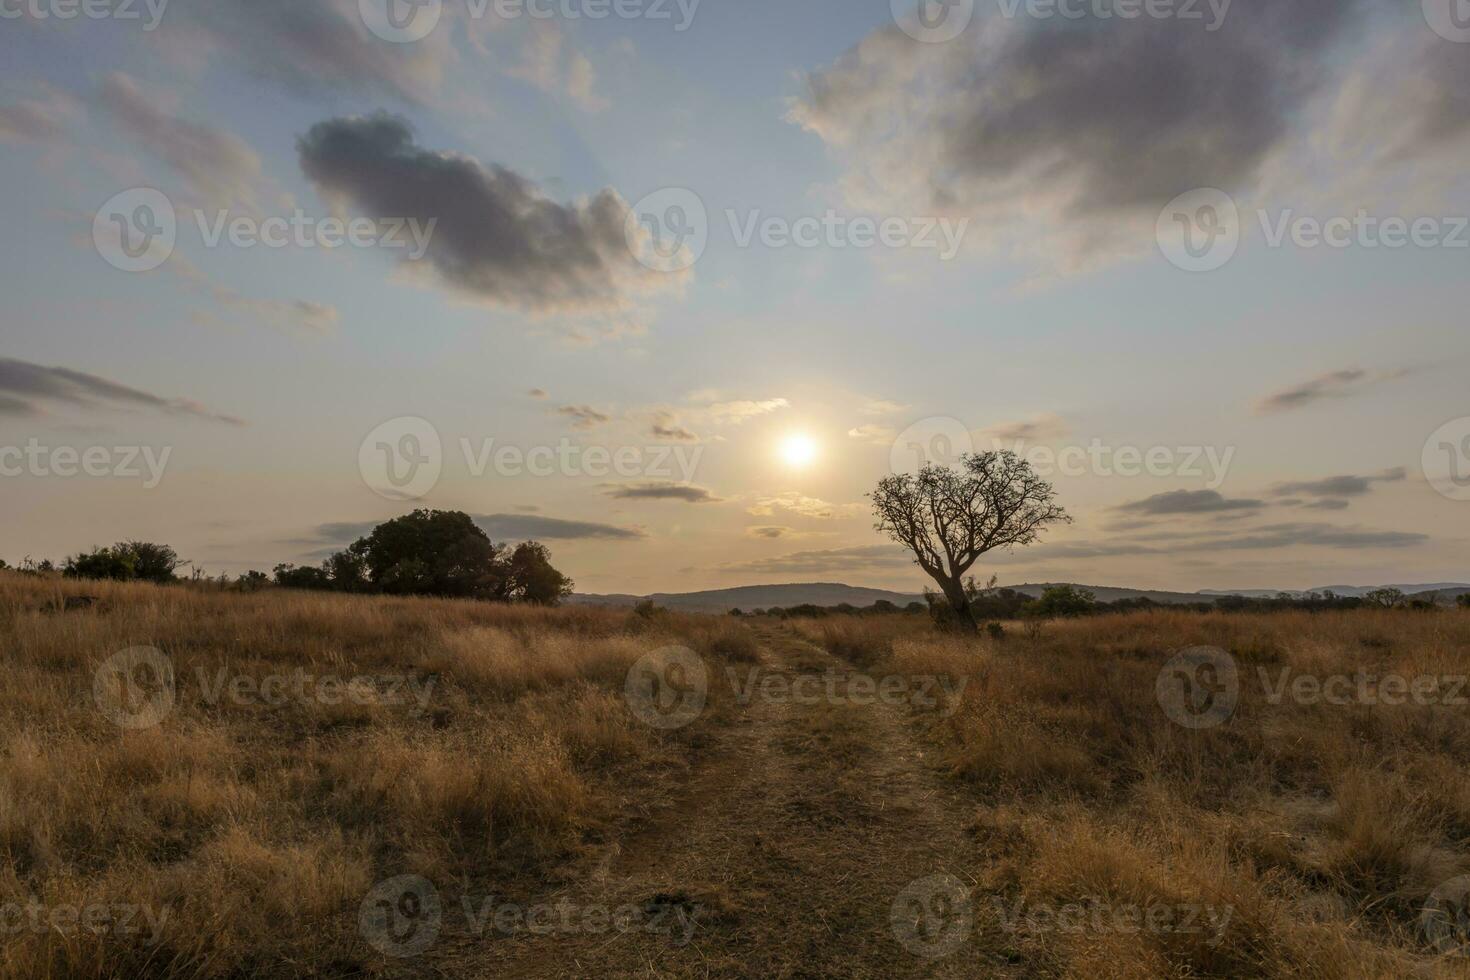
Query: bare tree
{"x": 950, "y": 517}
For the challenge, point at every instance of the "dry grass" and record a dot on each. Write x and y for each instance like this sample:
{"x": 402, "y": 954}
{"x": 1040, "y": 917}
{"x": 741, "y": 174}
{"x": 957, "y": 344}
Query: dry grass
{"x": 1323, "y": 827}
{"x": 257, "y": 825}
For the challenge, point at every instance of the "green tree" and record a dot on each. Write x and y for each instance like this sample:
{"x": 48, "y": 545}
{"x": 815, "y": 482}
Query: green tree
{"x": 1065, "y": 601}
{"x": 949, "y": 517}
{"x": 101, "y": 563}
{"x": 530, "y": 576}
{"x": 434, "y": 552}
{"x": 1387, "y": 598}
{"x": 1463, "y": 600}
{"x": 151, "y": 562}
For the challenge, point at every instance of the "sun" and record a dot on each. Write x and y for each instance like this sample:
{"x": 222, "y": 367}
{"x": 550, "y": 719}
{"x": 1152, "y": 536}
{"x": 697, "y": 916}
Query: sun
{"x": 799, "y": 450}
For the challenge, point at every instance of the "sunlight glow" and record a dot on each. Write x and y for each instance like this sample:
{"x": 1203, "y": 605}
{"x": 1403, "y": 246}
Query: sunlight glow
{"x": 799, "y": 450}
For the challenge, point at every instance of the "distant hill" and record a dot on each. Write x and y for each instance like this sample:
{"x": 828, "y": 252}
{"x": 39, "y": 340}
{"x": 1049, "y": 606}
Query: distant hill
{"x": 748, "y": 597}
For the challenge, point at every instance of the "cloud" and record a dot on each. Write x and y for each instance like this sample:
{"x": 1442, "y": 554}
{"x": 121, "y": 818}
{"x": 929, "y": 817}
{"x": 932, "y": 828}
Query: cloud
{"x": 525, "y": 527}
{"x": 24, "y": 385}
{"x": 219, "y": 166}
{"x": 735, "y": 412}
{"x": 537, "y": 393}
{"x": 38, "y": 120}
{"x": 583, "y": 416}
{"x": 316, "y": 47}
{"x": 876, "y": 434}
{"x": 1066, "y": 136}
{"x": 792, "y": 502}
{"x": 878, "y": 406}
{"x": 500, "y": 527}
{"x": 1038, "y": 429}
{"x": 666, "y": 426}
{"x": 660, "y": 490}
{"x": 1334, "y": 384}
{"x": 1339, "y": 486}
{"x": 881, "y": 557}
{"x": 495, "y": 237}
{"x": 1187, "y": 502}
{"x": 303, "y": 316}
{"x": 547, "y": 64}
{"x": 769, "y": 532}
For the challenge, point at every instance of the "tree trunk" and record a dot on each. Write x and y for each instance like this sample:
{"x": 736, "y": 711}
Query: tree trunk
{"x": 954, "y": 591}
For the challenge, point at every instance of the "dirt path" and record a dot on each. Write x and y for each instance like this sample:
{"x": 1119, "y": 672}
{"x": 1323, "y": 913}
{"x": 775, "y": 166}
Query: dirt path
{"x": 784, "y": 857}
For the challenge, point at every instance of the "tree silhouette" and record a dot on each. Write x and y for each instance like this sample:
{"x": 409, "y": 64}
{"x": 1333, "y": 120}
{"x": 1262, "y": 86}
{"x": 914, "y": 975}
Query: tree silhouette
{"x": 950, "y": 517}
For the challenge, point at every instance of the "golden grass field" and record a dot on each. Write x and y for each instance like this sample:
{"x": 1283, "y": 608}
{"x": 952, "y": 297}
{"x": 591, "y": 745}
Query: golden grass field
{"x": 242, "y": 834}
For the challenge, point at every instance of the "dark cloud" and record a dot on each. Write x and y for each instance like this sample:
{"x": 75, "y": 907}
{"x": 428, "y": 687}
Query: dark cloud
{"x": 1339, "y": 486}
{"x": 665, "y": 426}
{"x": 862, "y": 558}
{"x": 1334, "y": 384}
{"x": 657, "y": 490}
{"x": 583, "y": 416}
{"x": 1187, "y": 502}
{"x": 768, "y": 532}
{"x": 23, "y": 385}
{"x": 1069, "y": 119}
{"x": 500, "y": 527}
{"x": 537, "y": 393}
{"x": 495, "y": 236}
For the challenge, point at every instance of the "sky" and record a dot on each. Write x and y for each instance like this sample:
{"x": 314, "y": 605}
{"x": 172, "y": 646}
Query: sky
{"x": 670, "y": 286}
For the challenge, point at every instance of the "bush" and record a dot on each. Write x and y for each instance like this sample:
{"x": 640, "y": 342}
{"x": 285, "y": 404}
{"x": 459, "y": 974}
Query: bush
{"x": 125, "y": 561}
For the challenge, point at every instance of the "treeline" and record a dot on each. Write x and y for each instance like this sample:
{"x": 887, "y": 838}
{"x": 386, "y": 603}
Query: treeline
{"x": 1065, "y": 601}
{"x": 428, "y": 552}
